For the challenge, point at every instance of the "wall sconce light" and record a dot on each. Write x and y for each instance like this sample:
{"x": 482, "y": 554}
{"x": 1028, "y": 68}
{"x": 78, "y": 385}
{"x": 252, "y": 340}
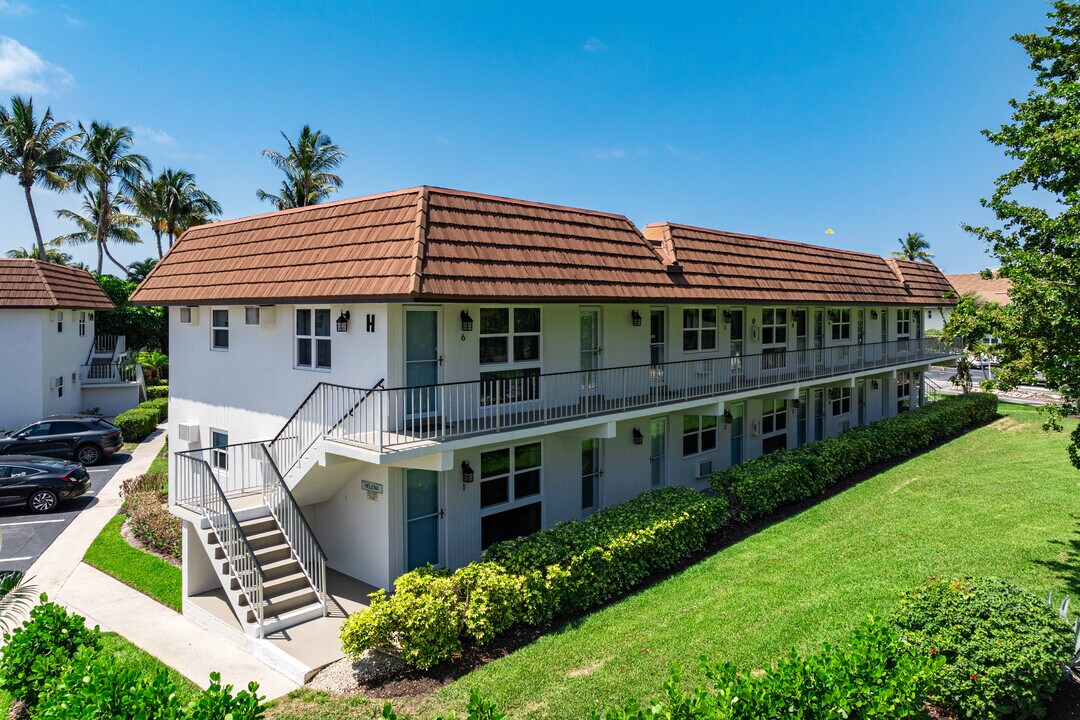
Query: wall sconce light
{"x": 834, "y": 393}
{"x": 832, "y": 316}
{"x": 796, "y": 403}
{"x": 635, "y": 318}
{"x": 727, "y": 316}
{"x": 91, "y": 317}
{"x": 874, "y": 385}
{"x": 873, "y": 314}
{"x": 638, "y": 437}
{"x": 728, "y": 418}
{"x": 467, "y": 474}
{"x": 466, "y": 321}
{"x": 343, "y": 321}
{"x": 929, "y": 314}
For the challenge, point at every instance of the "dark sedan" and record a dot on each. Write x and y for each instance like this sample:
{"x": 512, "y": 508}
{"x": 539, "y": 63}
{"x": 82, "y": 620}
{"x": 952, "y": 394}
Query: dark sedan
{"x": 85, "y": 439}
{"x": 40, "y": 483}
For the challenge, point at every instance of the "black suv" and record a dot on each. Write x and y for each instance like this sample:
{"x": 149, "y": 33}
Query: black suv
{"x": 86, "y": 439}
{"x": 40, "y": 483}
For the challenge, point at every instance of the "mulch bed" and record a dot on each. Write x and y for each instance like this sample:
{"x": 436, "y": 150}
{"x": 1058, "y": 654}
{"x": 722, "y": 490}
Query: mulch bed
{"x": 414, "y": 684}
{"x": 133, "y": 541}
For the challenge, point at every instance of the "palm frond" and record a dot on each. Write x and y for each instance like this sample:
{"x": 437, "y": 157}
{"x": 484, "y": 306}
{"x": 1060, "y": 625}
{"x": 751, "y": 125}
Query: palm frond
{"x": 16, "y": 595}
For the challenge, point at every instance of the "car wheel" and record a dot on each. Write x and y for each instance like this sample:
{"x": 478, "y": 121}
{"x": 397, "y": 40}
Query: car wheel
{"x": 42, "y": 501}
{"x": 88, "y": 454}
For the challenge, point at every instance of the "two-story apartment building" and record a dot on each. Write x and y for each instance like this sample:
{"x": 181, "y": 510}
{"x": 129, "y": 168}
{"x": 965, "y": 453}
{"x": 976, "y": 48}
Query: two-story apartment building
{"x": 53, "y": 362}
{"x": 375, "y": 384}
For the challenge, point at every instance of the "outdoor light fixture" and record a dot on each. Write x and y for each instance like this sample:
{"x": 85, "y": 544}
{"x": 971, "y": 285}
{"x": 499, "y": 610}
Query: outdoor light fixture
{"x": 834, "y": 393}
{"x": 874, "y": 385}
{"x": 466, "y": 321}
{"x": 728, "y": 418}
{"x": 91, "y": 317}
{"x": 873, "y": 314}
{"x": 727, "y": 316}
{"x": 638, "y": 437}
{"x": 796, "y": 403}
{"x": 635, "y": 318}
{"x": 343, "y": 321}
{"x": 467, "y": 473}
{"x": 929, "y": 313}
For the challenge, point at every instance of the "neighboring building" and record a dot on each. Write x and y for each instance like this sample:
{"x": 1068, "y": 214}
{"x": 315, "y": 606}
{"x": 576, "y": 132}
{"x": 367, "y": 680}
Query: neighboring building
{"x": 425, "y": 372}
{"x": 53, "y": 362}
{"x": 995, "y": 289}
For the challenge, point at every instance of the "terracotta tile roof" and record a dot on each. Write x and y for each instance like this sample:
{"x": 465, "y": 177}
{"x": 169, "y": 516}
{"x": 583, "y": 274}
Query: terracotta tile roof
{"x": 993, "y": 290}
{"x": 34, "y": 284}
{"x": 433, "y": 243}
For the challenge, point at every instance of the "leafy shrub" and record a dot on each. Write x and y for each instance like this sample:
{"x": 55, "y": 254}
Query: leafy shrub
{"x": 146, "y": 501}
{"x": 38, "y": 650}
{"x": 1003, "y": 648}
{"x": 156, "y": 392}
{"x": 137, "y": 423}
{"x": 758, "y": 487}
{"x": 570, "y": 567}
{"x": 160, "y": 406}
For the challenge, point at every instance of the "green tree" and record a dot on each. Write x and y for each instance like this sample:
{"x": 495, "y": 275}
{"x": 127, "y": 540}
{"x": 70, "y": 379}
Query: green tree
{"x": 186, "y": 205}
{"x": 35, "y": 152}
{"x": 974, "y": 321}
{"x": 145, "y": 327}
{"x": 52, "y": 254}
{"x": 120, "y": 228}
{"x": 139, "y": 269}
{"x": 1037, "y": 206}
{"x": 109, "y": 167}
{"x": 148, "y": 200}
{"x": 913, "y": 247}
{"x": 307, "y": 167}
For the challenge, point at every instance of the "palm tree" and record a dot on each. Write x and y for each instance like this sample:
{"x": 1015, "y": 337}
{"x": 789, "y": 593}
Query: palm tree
{"x": 52, "y": 254}
{"x": 121, "y": 227}
{"x": 307, "y": 166}
{"x": 148, "y": 199}
{"x": 914, "y": 247}
{"x": 139, "y": 269}
{"x": 186, "y": 205}
{"x": 107, "y": 163}
{"x": 35, "y": 152}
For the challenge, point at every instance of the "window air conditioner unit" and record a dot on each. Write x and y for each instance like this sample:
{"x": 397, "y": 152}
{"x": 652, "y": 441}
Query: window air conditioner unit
{"x": 704, "y": 469}
{"x": 188, "y": 433}
{"x": 189, "y": 316}
{"x": 264, "y": 315}
{"x": 57, "y": 382}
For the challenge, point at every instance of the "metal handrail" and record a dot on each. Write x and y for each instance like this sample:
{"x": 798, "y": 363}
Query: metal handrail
{"x": 294, "y": 526}
{"x": 197, "y": 489}
{"x": 108, "y": 372}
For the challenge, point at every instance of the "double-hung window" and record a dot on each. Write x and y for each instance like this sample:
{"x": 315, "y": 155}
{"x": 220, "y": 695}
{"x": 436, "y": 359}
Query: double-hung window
{"x": 773, "y": 425}
{"x": 313, "y": 339}
{"x": 841, "y": 400}
{"x": 841, "y": 323}
{"x": 59, "y": 321}
{"x": 219, "y": 453}
{"x": 699, "y": 434}
{"x": 699, "y": 329}
{"x": 773, "y": 337}
{"x": 509, "y": 354}
{"x": 219, "y": 329}
{"x": 510, "y": 492}
{"x": 82, "y": 324}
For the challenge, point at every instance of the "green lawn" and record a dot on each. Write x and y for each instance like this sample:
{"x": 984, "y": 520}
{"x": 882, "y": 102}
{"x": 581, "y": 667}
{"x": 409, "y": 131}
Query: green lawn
{"x": 1002, "y": 500}
{"x": 161, "y": 462}
{"x": 147, "y": 573}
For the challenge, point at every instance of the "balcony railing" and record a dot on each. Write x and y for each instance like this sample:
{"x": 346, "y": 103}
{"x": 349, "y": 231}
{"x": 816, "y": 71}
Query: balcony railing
{"x": 108, "y": 372}
{"x": 386, "y": 419}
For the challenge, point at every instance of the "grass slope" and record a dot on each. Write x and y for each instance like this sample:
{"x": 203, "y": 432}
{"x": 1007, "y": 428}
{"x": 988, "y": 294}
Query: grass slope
{"x": 1000, "y": 500}
{"x": 148, "y": 574}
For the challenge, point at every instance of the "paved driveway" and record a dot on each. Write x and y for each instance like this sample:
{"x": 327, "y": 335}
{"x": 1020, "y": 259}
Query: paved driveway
{"x": 25, "y": 535}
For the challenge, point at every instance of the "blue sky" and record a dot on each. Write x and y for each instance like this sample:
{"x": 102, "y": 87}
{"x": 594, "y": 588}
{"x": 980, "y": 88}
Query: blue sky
{"x": 771, "y": 118}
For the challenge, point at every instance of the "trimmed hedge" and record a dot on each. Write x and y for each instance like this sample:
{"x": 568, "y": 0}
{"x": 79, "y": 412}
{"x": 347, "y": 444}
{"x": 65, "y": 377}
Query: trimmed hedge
{"x": 137, "y": 423}
{"x": 1003, "y": 647}
{"x": 155, "y": 392}
{"x": 159, "y": 406}
{"x": 759, "y": 487}
{"x": 570, "y": 567}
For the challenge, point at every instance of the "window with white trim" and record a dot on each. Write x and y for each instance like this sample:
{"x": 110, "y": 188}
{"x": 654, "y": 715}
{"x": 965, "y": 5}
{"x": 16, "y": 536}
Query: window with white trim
{"x": 773, "y": 425}
{"x": 903, "y": 323}
{"x": 774, "y": 327}
{"x": 511, "y": 492}
{"x": 841, "y": 400}
{"x": 841, "y": 323}
{"x": 59, "y": 321}
{"x": 903, "y": 391}
{"x": 219, "y": 454}
{"x": 313, "y": 338}
{"x": 82, "y": 323}
{"x": 699, "y": 329}
{"x": 509, "y": 335}
{"x": 699, "y": 434}
{"x": 219, "y": 329}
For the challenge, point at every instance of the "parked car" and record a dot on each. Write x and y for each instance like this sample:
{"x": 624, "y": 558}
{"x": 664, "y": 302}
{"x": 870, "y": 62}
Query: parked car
{"x": 40, "y": 483}
{"x": 85, "y": 439}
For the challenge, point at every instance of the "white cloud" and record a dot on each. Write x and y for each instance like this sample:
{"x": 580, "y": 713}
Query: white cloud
{"x": 74, "y": 21}
{"x": 24, "y": 71}
{"x": 616, "y": 153}
{"x": 14, "y": 7}
{"x": 594, "y": 45}
{"x": 157, "y": 138}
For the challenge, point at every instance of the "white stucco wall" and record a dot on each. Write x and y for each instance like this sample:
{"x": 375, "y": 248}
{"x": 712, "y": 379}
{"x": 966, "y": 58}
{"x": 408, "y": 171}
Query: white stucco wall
{"x": 63, "y": 354}
{"x": 22, "y": 384}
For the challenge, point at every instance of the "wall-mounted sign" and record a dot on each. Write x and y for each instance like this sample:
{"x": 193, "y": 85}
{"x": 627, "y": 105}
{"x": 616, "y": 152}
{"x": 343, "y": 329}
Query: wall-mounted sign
{"x": 371, "y": 487}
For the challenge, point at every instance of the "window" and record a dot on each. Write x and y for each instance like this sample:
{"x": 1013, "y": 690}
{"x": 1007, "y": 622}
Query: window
{"x": 699, "y": 329}
{"x": 841, "y": 400}
{"x": 251, "y": 316}
{"x": 903, "y": 392}
{"x": 59, "y": 321}
{"x": 903, "y": 323}
{"x": 313, "y": 339}
{"x": 219, "y": 454}
{"x": 773, "y": 416}
{"x": 591, "y": 472}
{"x": 841, "y": 323}
{"x": 884, "y": 324}
{"x": 510, "y": 491}
{"x": 40, "y": 429}
{"x": 68, "y": 428}
{"x": 60, "y": 386}
{"x": 503, "y": 342}
{"x": 82, "y": 324}
{"x": 774, "y": 327}
{"x": 699, "y": 434}
{"x": 219, "y": 329}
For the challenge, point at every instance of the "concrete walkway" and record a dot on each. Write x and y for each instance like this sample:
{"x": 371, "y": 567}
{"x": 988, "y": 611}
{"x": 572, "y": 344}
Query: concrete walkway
{"x": 114, "y": 606}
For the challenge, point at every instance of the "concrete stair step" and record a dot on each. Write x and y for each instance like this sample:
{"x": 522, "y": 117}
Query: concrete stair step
{"x": 258, "y": 525}
{"x": 265, "y": 539}
{"x": 284, "y": 603}
{"x": 281, "y": 568}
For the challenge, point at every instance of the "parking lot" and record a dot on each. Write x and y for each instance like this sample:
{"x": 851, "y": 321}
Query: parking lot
{"x": 25, "y": 535}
